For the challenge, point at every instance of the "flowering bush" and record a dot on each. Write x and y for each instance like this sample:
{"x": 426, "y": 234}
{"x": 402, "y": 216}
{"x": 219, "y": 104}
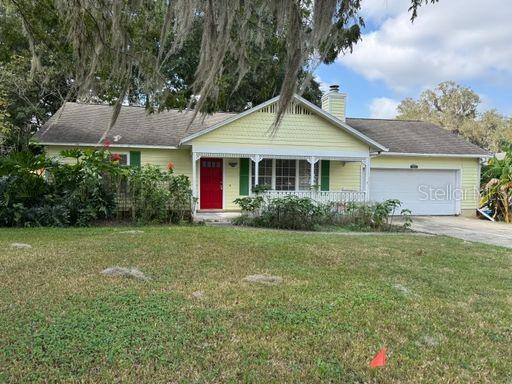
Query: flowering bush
{"x": 115, "y": 157}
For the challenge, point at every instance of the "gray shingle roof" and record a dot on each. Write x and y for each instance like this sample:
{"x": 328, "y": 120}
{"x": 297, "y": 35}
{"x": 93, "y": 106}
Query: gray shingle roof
{"x": 406, "y": 136}
{"x": 86, "y": 123}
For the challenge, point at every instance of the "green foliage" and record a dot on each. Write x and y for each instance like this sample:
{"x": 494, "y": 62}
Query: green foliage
{"x": 35, "y": 191}
{"x": 261, "y": 188}
{"x": 249, "y": 204}
{"x": 497, "y": 187}
{"x": 157, "y": 196}
{"x": 180, "y": 190}
{"x": 31, "y": 97}
{"x": 303, "y": 213}
{"x": 148, "y": 194}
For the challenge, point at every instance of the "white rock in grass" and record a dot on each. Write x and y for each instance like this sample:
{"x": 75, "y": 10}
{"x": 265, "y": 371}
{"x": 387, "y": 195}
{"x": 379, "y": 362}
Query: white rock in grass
{"x": 198, "y": 294}
{"x": 263, "y": 279}
{"x": 132, "y": 232}
{"x": 429, "y": 341}
{"x": 130, "y": 273}
{"x": 20, "y": 246}
{"x": 402, "y": 289}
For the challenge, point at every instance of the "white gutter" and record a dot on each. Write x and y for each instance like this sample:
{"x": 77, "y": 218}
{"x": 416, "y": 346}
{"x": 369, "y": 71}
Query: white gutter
{"x": 113, "y": 145}
{"x": 477, "y": 156}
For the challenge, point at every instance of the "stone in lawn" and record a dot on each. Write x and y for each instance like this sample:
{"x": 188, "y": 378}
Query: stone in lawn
{"x": 402, "y": 289}
{"x": 429, "y": 341}
{"x": 130, "y": 273}
{"x": 20, "y": 246}
{"x": 198, "y": 294}
{"x": 264, "y": 279}
{"x": 132, "y": 232}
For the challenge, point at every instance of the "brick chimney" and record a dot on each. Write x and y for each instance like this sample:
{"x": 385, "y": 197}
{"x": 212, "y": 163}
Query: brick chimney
{"x": 334, "y": 102}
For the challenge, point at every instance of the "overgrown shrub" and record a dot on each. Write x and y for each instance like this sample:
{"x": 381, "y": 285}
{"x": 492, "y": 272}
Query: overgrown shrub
{"x": 180, "y": 198}
{"x": 37, "y": 191}
{"x": 250, "y": 204}
{"x": 497, "y": 187}
{"x": 375, "y": 216}
{"x": 303, "y": 213}
{"x": 148, "y": 194}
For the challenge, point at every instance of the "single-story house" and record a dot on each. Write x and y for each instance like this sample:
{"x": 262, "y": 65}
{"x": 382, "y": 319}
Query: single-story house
{"x": 316, "y": 152}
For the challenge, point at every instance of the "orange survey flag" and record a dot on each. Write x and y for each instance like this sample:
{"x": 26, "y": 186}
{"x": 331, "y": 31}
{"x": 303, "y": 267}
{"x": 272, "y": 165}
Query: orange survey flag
{"x": 379, "y": 360}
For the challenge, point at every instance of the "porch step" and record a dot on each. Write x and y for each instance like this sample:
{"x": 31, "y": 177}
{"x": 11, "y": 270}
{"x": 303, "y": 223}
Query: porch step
{"x": 215, "y": 218}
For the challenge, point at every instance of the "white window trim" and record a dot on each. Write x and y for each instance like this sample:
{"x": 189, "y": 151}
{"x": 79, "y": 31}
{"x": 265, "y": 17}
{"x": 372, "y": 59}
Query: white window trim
{"x": 123, "y": 153}
{"x": 297, "y": 180}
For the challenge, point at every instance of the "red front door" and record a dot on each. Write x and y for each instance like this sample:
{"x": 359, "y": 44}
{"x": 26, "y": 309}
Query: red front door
{"x": 211, "y": 184}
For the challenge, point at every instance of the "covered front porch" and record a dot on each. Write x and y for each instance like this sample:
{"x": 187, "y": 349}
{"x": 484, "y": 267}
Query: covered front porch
{"x": 219, "y": 177}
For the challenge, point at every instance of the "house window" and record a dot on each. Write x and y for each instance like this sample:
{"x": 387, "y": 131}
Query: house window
{"x": 123, "y": 158}
{"x": 286, "y": 175}
{"x": 264, "y": 172}
{"x": 305, "y": 175}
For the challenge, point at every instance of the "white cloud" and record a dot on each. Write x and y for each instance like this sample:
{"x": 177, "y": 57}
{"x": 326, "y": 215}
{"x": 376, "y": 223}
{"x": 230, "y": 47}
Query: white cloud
{"x": 324, "y": 87}
{"x": 383, "y": 108}
{"x": 451, "y": 40}
{"x": 379, "y": 10}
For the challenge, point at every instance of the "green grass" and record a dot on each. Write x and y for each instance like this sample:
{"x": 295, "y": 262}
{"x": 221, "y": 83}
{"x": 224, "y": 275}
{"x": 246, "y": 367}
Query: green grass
{"x": 441, "y": 307}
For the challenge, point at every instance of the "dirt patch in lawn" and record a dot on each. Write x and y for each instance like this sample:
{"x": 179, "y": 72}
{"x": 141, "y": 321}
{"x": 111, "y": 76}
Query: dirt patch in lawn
{"x": 130, "y": 273}
{"x": 20, "y": 246}
{"x": 263, "y": 279}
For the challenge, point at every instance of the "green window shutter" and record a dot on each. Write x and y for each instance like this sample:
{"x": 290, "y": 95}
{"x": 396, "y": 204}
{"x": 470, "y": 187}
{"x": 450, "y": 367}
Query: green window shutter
{"x": 134, "y": 158}
{"x": 324, "y": 176}
{"x": 244, "y": 177}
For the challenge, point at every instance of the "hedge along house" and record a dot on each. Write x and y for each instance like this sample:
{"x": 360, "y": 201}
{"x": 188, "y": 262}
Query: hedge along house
{"x": 315, "y": 152}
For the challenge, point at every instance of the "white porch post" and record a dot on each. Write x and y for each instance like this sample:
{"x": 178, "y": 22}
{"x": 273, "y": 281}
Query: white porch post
{"x": 256, "y": 159}
{"x": 367, "y": 165}
{"x": 312, "y": 161}
{"x": 195, "y": 157}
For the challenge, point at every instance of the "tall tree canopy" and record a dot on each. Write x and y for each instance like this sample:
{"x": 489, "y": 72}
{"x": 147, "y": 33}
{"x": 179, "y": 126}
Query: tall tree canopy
{"x": 216, "y": 54}
{"x": 454, "y": 107}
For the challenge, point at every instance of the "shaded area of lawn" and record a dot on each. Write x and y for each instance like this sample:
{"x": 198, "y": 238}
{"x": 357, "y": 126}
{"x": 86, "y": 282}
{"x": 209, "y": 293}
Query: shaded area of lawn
{"x": 442, "y": 307}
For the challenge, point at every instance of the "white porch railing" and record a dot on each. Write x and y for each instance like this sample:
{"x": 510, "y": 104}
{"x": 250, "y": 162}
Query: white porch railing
{"x": 322, "y": 196}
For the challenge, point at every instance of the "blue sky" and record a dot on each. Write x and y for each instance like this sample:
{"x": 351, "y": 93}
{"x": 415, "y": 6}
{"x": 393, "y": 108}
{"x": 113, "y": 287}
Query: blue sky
{"x": 460, "y": 40}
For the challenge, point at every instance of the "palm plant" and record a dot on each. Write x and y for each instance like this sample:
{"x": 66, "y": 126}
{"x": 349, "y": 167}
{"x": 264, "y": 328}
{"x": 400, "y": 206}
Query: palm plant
{"x": 497, "y": 187}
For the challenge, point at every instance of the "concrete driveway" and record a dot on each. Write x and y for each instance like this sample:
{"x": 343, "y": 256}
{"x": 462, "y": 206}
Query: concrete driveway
{"x": 465, "y": 228}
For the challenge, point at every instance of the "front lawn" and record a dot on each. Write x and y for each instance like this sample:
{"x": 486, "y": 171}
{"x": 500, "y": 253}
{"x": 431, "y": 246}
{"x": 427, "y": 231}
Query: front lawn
{"x": 441, "y": 307}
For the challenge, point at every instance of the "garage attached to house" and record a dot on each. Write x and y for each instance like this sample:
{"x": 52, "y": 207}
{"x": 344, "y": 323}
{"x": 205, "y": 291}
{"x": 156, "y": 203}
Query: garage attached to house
{"x": 423, "y": 191}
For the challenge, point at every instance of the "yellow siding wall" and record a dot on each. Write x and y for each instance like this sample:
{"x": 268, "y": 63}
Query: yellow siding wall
{"x": 344, "y": 176}
{"x": 54, "y": 151}
{"x": 231, "y": 183}
{"x": 297, "y": 131}
{"x": 469, "y": 168}
{"x": 182, "y": 158}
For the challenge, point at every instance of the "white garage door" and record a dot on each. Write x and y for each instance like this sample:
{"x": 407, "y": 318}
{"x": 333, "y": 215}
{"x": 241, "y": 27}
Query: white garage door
{"x": 424, "y": 192}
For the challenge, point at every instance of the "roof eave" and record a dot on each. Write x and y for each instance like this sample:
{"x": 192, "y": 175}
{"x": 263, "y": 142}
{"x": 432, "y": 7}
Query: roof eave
{"x": 464, "y": 155}
{"x": 114, "y": 145}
